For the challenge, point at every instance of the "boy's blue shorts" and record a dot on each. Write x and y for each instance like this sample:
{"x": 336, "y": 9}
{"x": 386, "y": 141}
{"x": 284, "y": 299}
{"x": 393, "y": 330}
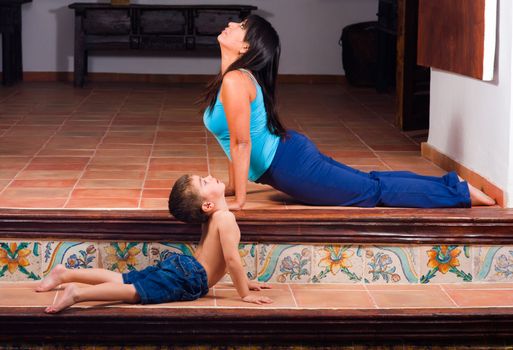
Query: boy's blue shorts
{"x": 178, "y": 278}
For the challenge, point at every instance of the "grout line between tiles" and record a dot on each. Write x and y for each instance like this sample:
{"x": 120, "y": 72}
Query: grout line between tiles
{"x": 43, "y": 146}
{"x": 96, "y": 149}
{"x": 148, "y": 162}
{"x": 447, "y": 294}
{"x": 371, "y": 297}
{"x": 293, "y": 296}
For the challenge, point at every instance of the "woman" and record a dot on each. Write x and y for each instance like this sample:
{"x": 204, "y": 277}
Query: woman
{"x": 242, "y": 116}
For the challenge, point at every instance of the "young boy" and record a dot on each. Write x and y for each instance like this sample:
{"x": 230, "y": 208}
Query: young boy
{"x": 193, "y": 199}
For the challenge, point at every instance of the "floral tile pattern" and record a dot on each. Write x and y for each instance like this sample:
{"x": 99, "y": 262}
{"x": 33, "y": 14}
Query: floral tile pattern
{"x": 20, "y": 261}
{"x": 445, "y": 264}
{"x": 161, "y": 251}
{"x": 335, "y": 263}
{"x": 493, "y": 263}
{"x": 391, "y": 264}
{"x": 124, "y": 256}
{"x": 73, "y": 255}
{"x": 284, "y": 263}
{"x": 248, "y": 256}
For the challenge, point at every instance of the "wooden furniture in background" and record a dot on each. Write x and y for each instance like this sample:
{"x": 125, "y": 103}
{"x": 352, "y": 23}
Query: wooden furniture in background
{"x": 412, "y": 80}
{"x": 458, "y": 36}
{"x": 185, "y": 29}
{"x": 10, "y": 29}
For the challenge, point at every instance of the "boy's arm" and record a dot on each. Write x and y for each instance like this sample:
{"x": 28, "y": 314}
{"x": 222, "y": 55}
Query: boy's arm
{"x": 229, "y": 234}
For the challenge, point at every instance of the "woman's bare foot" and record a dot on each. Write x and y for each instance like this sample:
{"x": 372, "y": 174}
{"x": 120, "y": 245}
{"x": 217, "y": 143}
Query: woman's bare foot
{"x": 64, "y": 300}
{"x": 52, "y": 280}
{"x": 478, "y": 197}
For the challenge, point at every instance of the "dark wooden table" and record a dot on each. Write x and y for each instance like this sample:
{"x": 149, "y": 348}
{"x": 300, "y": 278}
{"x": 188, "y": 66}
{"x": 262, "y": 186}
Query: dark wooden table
{"x": 10, "y": 29}
{"x": 190, "y": 29}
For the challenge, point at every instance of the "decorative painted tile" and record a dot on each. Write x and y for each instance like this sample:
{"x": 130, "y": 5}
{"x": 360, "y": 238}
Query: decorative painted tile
{"x": 445, "y": 264}
{"x": 124, "y": 256}
{"x": 493, "y": 263}
{"x": 73, "y": 255}
{"x": 391, "y": 264}
{"x": 248, "y": 256}
{"x": 291, "y": 263}
{"x": 335, "y": 263}
{"x": 20, "y": 261}
{"x": 161, "y": 251}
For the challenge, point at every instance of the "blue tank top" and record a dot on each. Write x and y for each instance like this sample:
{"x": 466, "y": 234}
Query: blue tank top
{"x": 263, "y": 143}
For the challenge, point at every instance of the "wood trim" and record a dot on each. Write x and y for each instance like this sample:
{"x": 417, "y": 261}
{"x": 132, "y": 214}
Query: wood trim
{"x": 357, "y": 226}
{"x": 282, "y": 326}
{"x": 472, "y": 177}
{"x": 175, "y": 78}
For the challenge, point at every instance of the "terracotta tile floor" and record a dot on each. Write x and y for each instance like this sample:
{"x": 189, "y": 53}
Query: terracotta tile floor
{"x": 319, "y": 296}
{"x": 121, "y": 146}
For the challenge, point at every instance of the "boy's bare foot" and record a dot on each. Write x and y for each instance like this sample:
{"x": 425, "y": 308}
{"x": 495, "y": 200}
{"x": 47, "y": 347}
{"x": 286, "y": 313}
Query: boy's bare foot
{"x": 478, "y": 197}
{"x": 52, "y": 280}
{"x": 64, "y": 299}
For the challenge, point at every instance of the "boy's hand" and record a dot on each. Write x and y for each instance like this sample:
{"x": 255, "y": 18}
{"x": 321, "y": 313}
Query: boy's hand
{"x": 258, "y": 286}
{"x": 257, "y": 299}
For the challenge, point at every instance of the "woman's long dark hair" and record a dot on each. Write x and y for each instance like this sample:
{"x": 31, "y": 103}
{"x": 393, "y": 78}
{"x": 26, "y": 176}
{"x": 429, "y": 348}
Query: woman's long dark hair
{"x": 262, "y": 59}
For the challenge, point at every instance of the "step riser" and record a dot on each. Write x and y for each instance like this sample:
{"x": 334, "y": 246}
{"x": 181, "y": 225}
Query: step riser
{"x": 22, "y": 261}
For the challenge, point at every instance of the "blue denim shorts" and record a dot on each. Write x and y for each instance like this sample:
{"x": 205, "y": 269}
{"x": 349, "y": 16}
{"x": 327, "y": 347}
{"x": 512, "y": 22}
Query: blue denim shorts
{"x": 178, "y": 278}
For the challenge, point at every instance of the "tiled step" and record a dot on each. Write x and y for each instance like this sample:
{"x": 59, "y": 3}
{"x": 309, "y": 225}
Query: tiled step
{"x": 300, "y": 314}
{"x": 341, "y": 294}
{"x": 350, "y": 246}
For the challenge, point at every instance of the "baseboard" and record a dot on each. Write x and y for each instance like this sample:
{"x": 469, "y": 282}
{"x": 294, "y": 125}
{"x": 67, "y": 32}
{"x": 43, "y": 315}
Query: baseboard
{"x": 472, "y": 177}
{"x": 175, "y": 78}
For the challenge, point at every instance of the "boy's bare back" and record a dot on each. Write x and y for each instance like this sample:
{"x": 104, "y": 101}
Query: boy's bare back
{"x": 220, "y": 239}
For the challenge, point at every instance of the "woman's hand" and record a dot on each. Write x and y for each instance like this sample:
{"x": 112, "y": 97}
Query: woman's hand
{"x": 229, "y": 191}
{"x": 234, "y": 205}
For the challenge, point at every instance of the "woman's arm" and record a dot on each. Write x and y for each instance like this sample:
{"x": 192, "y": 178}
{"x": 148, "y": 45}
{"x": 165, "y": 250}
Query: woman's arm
{"x": 236, "y": 100}
{"x": 230, "y": 189}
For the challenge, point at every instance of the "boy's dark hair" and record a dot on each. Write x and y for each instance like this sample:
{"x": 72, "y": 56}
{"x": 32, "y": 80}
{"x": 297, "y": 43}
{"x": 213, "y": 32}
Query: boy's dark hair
{"x": 185, "y": 202}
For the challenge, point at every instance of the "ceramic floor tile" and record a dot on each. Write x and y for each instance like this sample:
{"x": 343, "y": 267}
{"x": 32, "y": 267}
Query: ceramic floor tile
{"x": 109, "y": 183}
{"x": 32, "y": 203}
{"x": 434, "y": 298}
{"x": 122, "y": 125}
{"x": 12, "y": 297}
{"x": 477, "y": 286}
{"x": 328, "y": 298}
{"x": 106, "y": 193}
{"x": 482, "y": 298}
{"x": 328, "y": 286}
{"x": 99, "y": 203}
{"x": 154, "y": 203}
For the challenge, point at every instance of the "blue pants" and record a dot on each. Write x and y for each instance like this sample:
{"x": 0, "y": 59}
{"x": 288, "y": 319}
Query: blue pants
{"x": 178, "y": 278}
{"x": 300, "y": 170}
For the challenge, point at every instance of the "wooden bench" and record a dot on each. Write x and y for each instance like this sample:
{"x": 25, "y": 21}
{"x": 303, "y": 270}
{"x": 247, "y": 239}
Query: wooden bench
{"x": 137, "y": 28}
{"x": 10, "y": 29}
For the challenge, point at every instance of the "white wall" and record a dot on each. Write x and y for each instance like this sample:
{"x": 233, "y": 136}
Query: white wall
{"x": 309, "y": 30}
{"x": 471, "y": 121}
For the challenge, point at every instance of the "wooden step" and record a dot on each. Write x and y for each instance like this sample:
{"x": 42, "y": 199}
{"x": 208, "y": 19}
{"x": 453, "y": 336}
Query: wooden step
{"x": 275, "y": 326}
{"x": 270, "y": 325}
{"x": 354, "y": 225}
